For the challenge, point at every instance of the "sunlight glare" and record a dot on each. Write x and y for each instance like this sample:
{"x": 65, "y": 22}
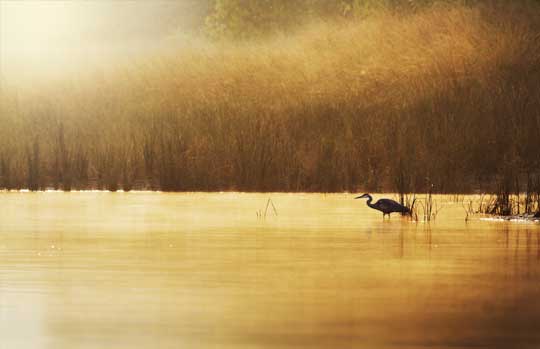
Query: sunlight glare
{"x": 38, "y": 28}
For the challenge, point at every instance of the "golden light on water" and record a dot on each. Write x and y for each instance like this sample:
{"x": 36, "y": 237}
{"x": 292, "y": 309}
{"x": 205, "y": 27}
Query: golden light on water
{"x": 201, "y": 270}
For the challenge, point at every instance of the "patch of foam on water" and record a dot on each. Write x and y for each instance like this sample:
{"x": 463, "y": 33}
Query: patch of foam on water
{"x": 518, "y": 219}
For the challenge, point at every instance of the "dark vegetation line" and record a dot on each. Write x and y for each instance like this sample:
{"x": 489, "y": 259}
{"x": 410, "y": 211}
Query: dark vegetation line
{"x": 443, "y": 99}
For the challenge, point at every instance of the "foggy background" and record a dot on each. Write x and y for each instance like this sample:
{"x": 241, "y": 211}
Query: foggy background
{"x": 51, "y": 36}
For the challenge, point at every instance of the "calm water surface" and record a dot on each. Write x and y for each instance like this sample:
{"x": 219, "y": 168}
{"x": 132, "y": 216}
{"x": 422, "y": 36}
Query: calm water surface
{"x": 154, "y": 270}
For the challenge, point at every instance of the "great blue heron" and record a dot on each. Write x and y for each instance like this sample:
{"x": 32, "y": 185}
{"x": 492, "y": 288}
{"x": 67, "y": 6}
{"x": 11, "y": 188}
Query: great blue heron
{"x": 386, "y": 206}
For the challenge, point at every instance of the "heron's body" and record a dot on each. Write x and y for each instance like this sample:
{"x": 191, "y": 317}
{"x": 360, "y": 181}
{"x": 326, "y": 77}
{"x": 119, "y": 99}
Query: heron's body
{"x": 386, "y": 206}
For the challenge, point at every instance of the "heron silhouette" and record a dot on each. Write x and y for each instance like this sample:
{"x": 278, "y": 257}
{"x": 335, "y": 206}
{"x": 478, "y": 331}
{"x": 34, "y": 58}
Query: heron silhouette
{"x": 386, "y": 206}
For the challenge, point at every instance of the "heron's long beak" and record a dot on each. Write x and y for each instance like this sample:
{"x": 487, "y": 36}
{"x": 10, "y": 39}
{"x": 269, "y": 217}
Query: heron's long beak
{"x": 359, "y": 197}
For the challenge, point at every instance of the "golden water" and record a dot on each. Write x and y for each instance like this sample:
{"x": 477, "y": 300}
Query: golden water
{"x": 154, "y": 270}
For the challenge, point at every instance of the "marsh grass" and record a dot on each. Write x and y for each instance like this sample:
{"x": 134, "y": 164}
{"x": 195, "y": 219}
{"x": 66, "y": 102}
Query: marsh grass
{"x": 263, "y": 214}
{"x": 469, "y": 210}
{"x": 425, "y": 208}
{"x": 378, "y": 103}
{"x": 509, "y": 200}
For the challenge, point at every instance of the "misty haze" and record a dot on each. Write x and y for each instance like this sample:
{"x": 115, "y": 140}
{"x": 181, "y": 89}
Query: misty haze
{"x": 269, "y": 174}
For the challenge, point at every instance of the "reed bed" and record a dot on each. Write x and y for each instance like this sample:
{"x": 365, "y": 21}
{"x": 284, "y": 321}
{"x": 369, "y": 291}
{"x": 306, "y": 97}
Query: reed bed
{"x": 449, "y": 93}
{"x": 508, "y": 201}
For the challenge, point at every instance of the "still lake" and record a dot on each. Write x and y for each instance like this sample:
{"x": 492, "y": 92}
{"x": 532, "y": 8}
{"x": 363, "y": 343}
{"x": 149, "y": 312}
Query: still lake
{"x": 154, "y": 270}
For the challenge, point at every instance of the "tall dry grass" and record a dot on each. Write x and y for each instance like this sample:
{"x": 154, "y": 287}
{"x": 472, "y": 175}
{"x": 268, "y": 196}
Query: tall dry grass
{"x": 449, "y": 93}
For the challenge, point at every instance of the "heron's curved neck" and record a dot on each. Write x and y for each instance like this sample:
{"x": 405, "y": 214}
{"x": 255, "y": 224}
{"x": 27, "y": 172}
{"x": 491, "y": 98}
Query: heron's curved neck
{"x": 369, "y": 200}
